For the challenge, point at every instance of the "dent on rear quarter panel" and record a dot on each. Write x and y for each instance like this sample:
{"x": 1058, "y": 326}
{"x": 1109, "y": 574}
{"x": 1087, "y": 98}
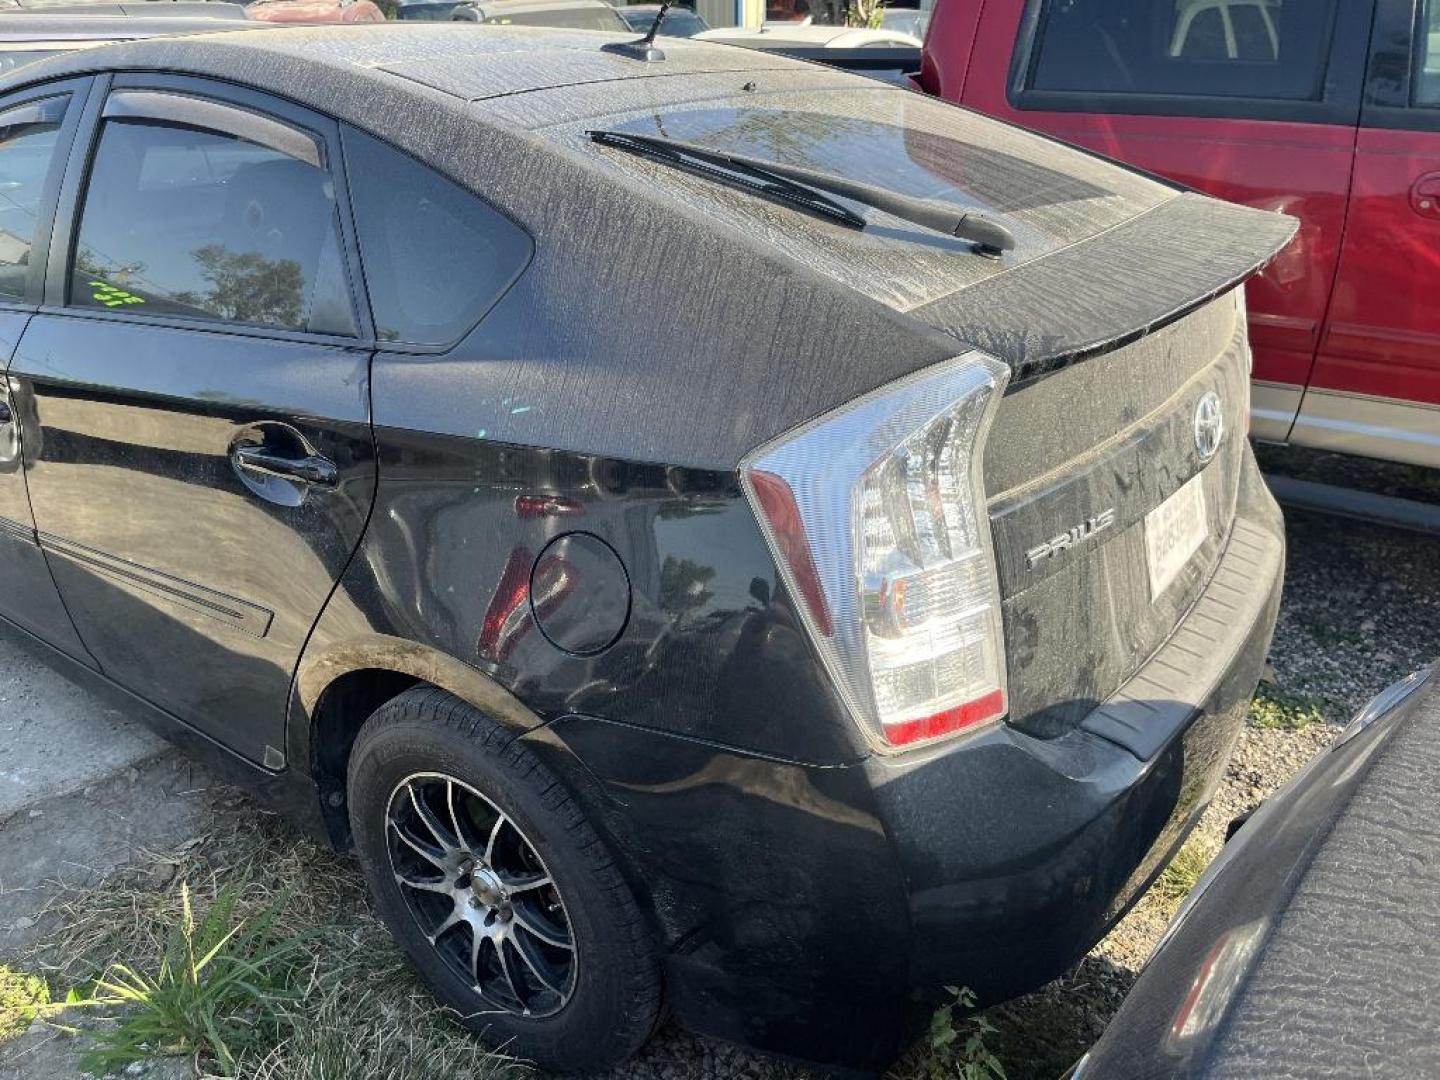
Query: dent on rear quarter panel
{"x": 710, "y": 649}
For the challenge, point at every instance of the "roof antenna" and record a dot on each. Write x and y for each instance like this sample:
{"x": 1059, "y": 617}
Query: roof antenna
{"x": 644, "y": 49}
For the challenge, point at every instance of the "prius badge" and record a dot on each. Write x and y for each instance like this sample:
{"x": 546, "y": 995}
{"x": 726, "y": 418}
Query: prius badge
{"x": 1071, "y": 538}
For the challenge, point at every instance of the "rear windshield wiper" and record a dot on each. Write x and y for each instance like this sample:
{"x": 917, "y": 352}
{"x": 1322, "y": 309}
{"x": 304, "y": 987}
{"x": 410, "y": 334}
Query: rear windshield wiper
{"x": 806, "y": 187}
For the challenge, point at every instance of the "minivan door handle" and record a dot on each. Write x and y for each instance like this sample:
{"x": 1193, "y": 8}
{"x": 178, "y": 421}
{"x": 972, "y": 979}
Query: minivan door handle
{"x": 310, "y": 469}
{"x": 1425, "y": 195}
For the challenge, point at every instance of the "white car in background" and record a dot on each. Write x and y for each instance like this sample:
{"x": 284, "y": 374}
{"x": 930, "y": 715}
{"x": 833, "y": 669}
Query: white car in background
{"x": 785, "y": 37}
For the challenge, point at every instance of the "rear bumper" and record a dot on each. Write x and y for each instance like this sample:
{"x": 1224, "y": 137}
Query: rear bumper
{"x": 801, "y": 908}
{"x": 1019, "y": 855}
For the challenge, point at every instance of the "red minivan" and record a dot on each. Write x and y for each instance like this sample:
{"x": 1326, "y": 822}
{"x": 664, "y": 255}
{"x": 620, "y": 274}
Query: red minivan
{"x": 1326, "y": 109}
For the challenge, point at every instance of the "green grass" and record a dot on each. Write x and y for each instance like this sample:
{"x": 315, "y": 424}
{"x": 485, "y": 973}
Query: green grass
{"x": 1177, "y": 879}
{"x": 305, "y": 982}
{"x": 1278, "y": 710}
{"x": 22, "y": 997}
{"x": 218, "y": 991}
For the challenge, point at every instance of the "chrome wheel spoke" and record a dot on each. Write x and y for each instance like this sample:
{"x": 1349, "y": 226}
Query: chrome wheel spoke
{"x": 434, "y": 856}
{"x": 494, "y": 837}
{"x": 525, "y": 882}
{"x": 509, "y": 975}
{"x": 460, "y": 840}
{"x": 550, "y": 937}
{"x": 536, "y": 963}
{"x": 454, "y": 919}
{"x": 441, "y": 887}
{"x": 430, "y": 821}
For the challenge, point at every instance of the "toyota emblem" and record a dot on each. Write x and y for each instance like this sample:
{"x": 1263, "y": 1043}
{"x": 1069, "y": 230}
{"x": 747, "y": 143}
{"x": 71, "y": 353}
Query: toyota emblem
{"x": 1209, "y": 425}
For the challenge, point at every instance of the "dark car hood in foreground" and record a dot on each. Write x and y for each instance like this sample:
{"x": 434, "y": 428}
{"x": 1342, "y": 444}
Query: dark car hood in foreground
{"x": 1312, "y": 946}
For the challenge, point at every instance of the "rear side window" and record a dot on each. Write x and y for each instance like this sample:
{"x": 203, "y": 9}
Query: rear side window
{"x": 436, "y": 257}
{"x": 28, "y": 134}
{"x": 180, "y": 220}
{"x": 1268, "y": 49}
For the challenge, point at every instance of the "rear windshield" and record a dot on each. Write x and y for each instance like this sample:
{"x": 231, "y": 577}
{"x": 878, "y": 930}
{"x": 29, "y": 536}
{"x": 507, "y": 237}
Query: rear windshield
{"x": 578, "y": 18}
{"x": 1049, "y": 196}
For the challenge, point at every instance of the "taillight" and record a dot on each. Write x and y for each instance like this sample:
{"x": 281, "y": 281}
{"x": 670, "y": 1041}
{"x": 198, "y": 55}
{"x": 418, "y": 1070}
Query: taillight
{"x": 875, "y": 514}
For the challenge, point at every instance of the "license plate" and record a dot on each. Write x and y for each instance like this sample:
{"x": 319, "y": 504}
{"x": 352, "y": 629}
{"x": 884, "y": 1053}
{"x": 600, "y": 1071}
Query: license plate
{"x": 1174, "y": 531}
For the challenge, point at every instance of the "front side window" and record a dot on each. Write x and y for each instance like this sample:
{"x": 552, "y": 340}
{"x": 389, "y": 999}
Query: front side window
{"x": 1427, "y": 66}
{"x": 1269, "y": 49}
{"x": 28, "y": 135}
{"x": 185, "y": 221}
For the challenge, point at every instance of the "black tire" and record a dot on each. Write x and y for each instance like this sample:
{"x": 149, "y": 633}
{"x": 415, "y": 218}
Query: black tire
{"x": 426, "y": 736}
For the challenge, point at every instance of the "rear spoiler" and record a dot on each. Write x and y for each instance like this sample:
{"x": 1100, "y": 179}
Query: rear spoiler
{"x": 1113, "y": 289}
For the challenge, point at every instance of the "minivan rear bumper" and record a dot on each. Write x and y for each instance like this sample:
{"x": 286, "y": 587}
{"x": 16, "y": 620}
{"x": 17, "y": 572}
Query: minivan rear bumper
{"x": 808, "y": 910}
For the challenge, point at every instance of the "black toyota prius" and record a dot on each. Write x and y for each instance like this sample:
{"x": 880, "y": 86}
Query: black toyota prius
{"x": 705, "y": 529}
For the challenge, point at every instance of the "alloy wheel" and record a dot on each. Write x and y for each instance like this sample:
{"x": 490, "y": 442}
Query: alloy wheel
{"x": 481, "y": 895}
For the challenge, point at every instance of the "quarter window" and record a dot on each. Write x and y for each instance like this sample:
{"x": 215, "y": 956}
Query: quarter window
{"x": 436, "y": 257}
{"x": 28, "y": 134}
{"x": 186, "y": 221}
{"x": 1266, "y": 49}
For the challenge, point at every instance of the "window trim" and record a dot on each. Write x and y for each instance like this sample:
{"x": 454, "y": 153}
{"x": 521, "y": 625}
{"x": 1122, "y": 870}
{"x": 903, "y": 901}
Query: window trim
{"x": 1340, "y": 81}
{"x": 207, "y": 114}
{"x": 77, "y": 90}
{"x": 233, "y": 98}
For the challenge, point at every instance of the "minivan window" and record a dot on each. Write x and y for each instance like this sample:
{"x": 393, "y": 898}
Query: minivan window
{"x": 1427, "y": 70}
{"x": 180, "y": 221}
{"x": 28, "y": 134}
{"x": 1264, "y": 49}
{"x": 435, "y": 256}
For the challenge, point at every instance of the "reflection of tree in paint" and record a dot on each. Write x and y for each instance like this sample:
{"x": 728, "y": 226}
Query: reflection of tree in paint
{"x": 247, "y": 287}
{"x": 682, "y": 584}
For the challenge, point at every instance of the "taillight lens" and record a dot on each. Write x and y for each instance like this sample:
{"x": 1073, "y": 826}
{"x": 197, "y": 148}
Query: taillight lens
{"x": 875, "y": 514}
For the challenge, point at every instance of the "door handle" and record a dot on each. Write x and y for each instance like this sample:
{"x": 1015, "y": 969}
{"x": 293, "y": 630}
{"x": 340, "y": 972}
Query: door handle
{"x": 1425, "y": 195}
{"x": 309, "y": 469}
{"x": 7, "y": 415}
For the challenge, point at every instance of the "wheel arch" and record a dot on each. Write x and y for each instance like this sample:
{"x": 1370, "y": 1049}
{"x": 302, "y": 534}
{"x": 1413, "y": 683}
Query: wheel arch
{"x": 340, "y": 688}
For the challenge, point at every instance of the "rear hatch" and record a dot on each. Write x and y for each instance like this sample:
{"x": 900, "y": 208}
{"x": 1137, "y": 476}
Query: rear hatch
{"x": 1117, "y": 313}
